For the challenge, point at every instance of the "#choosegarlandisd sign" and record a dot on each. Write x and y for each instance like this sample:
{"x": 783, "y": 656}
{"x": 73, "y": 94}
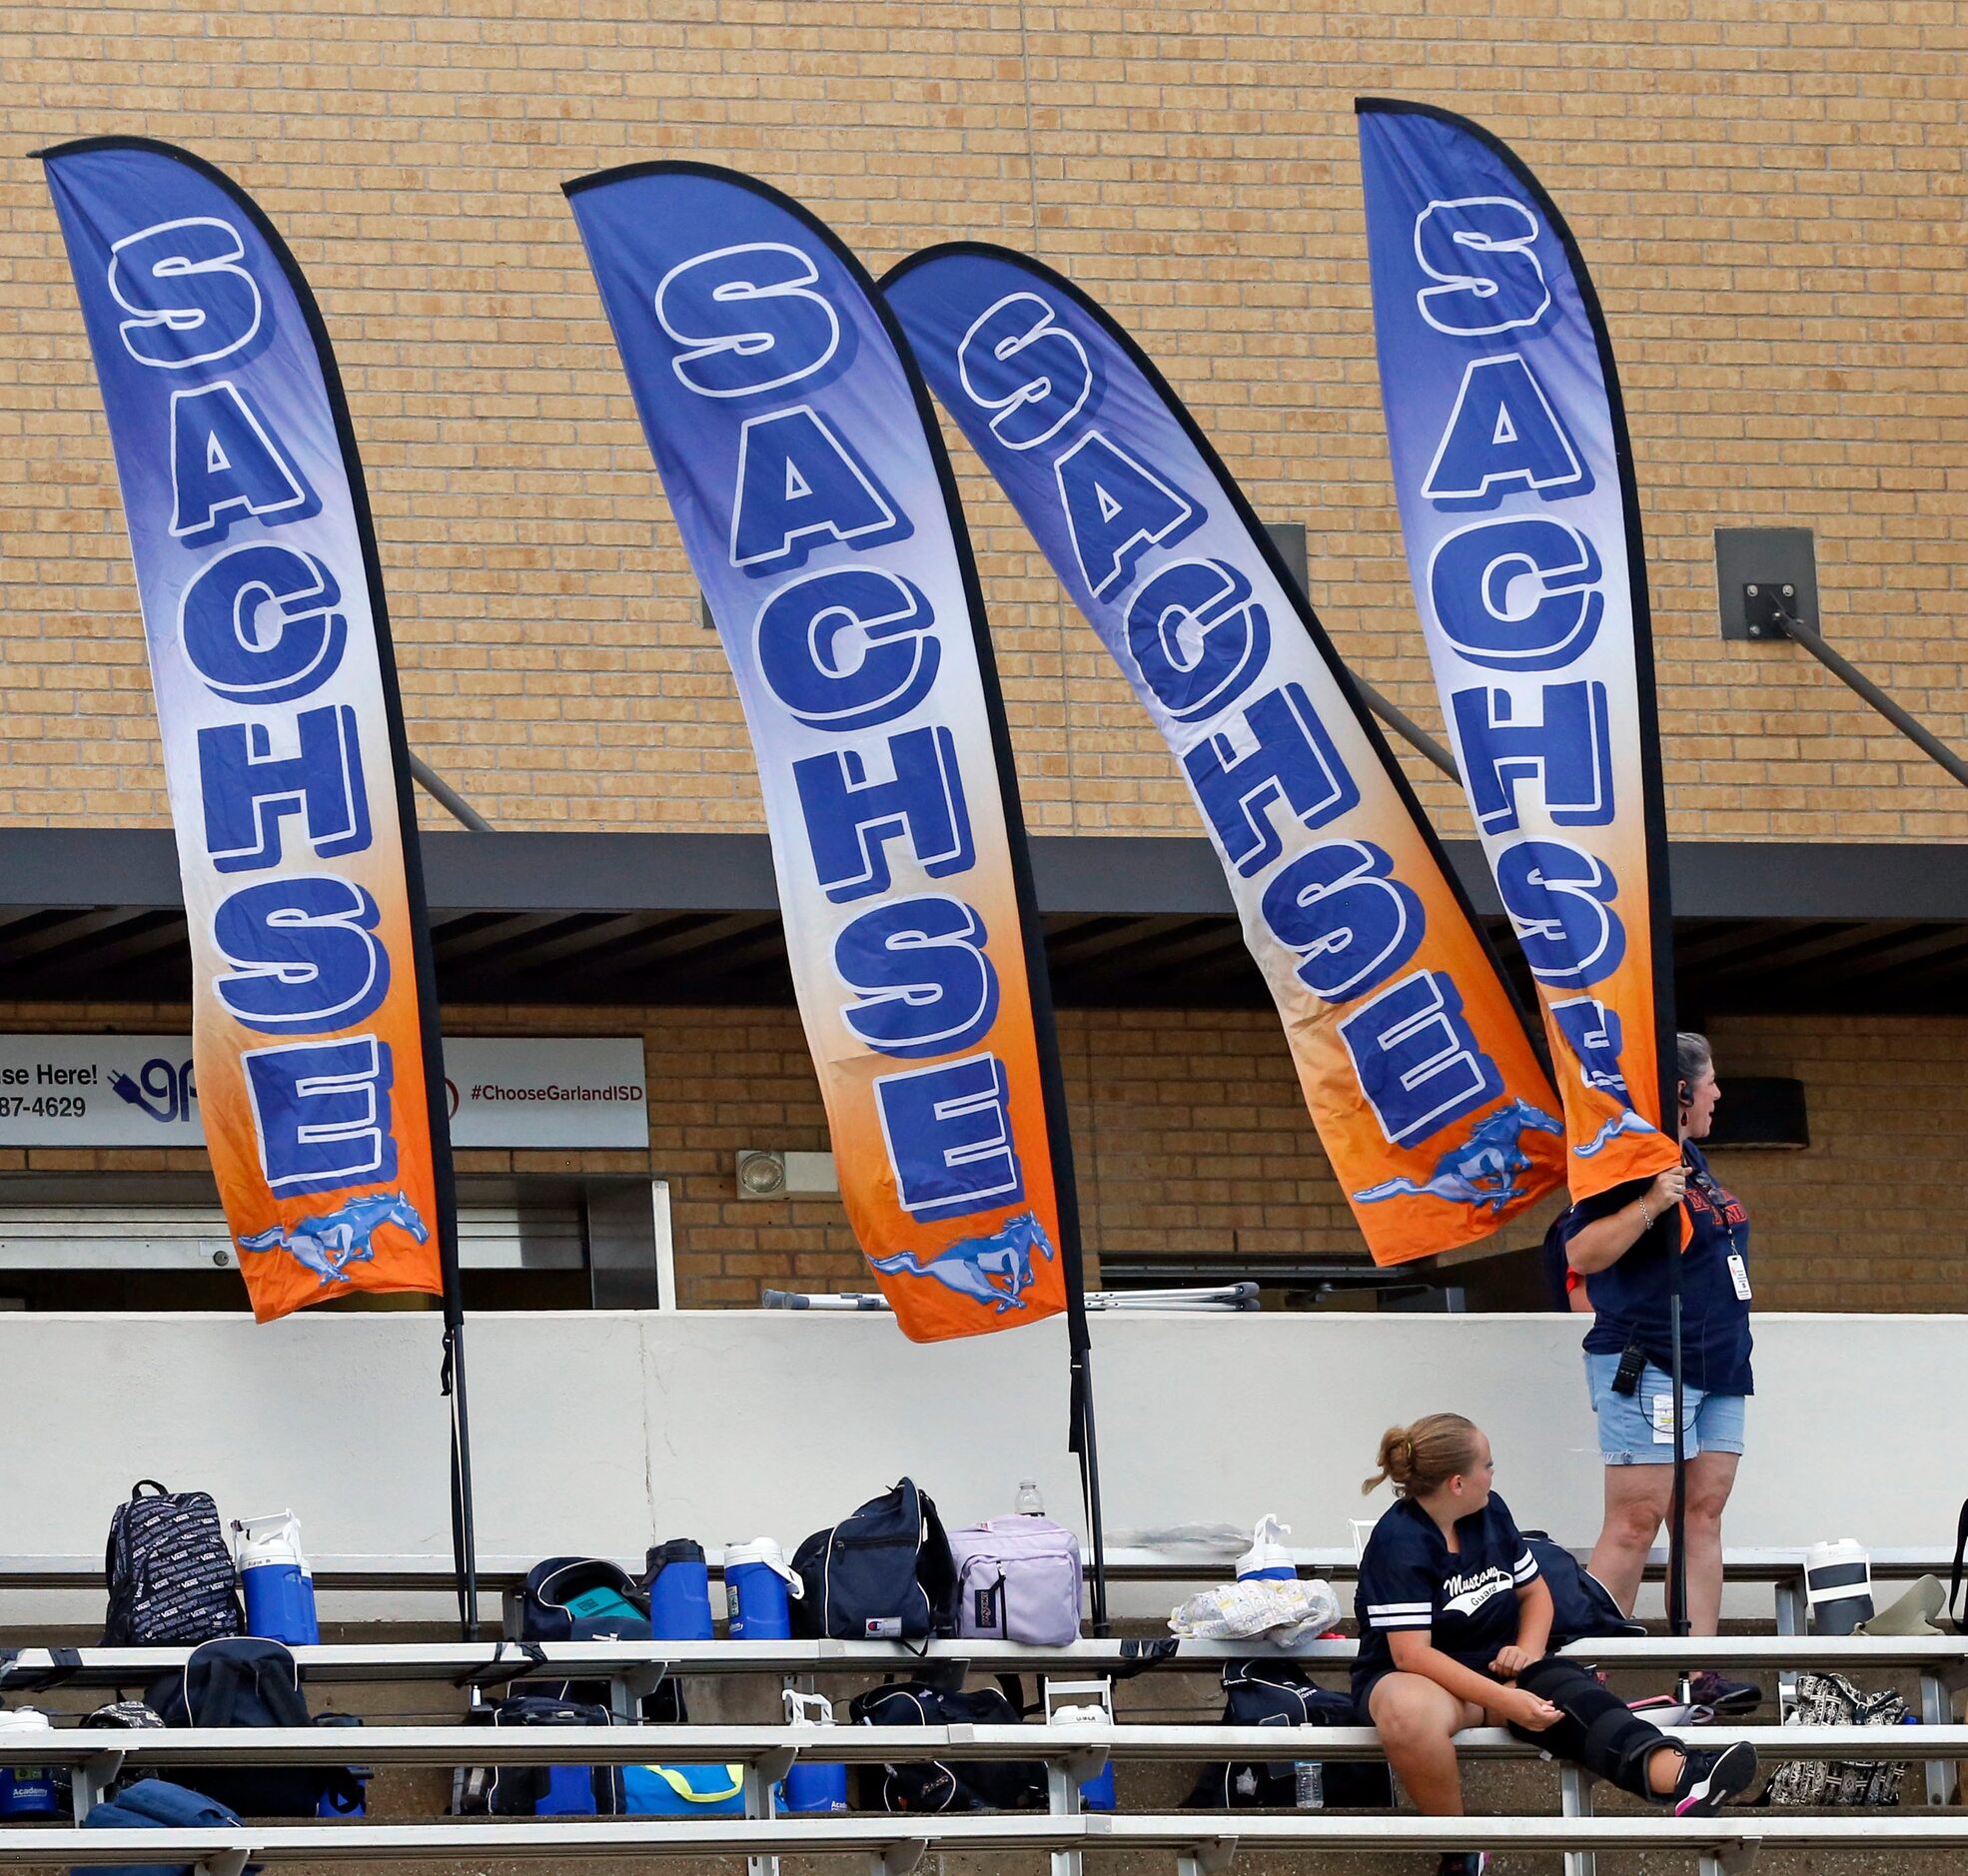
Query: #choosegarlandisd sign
{"x": 565, "y": 1091}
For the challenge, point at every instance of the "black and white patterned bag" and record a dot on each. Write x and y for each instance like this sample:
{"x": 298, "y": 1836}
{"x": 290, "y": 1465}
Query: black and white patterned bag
{"x": 171, "y": 1577}
{"x": 1833, "y": 1700}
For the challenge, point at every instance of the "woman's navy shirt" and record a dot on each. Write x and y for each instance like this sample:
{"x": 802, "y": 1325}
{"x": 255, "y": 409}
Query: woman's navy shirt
{"x": 1465, "y": 1604}
{"x": 1629, "y": 1296}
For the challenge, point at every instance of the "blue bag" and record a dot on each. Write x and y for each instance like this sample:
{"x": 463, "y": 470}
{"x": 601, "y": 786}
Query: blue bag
{"x": 683, "y": 1790}
{"x": 155, "y": 1804}
{"x": 582, "y": 1598}
{"x": 1581, "y": 1606}
{"x": 885, "y": 1574}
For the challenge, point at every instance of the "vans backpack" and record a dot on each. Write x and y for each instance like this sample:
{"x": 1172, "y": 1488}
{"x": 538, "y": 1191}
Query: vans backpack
{"x": 155, "y": 1804}
{"x": 884, "y": 1573}
{"x": 247, "y": 1682}
{"x": 1279, "y": 1693}
{"x": 932, "y": 1786}
{"x": 1018, "y": 1579}
{"x": 170, "y": 1576}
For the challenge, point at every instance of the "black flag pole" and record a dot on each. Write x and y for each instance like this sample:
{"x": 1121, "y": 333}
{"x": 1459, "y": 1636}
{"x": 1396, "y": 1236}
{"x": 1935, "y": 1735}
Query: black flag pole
{"x": 430, "y": 1051}
{"x": 1082, "y": 1439}
{"x": 450, "y": 1378}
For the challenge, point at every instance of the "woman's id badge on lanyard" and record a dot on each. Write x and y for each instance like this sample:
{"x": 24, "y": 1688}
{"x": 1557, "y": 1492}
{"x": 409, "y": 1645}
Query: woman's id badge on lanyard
{"x": 1739, "y": 1275}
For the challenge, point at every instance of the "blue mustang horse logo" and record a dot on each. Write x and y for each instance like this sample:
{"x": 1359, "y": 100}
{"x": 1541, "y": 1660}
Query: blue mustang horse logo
{"x": 329, "y": 1244}
{"x": 996, "y": 1270}
{"x": 1627, "y": 1122}
{"x": 1484, "y": 1169}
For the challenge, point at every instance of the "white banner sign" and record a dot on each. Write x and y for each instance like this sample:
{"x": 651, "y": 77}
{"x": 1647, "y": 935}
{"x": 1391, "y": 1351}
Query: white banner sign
{"x": 140, "y": 1091}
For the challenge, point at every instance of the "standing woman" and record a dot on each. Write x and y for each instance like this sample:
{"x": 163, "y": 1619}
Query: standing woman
{"x": 1610, "y": 1242}
{"x": 1455, "y": 1624}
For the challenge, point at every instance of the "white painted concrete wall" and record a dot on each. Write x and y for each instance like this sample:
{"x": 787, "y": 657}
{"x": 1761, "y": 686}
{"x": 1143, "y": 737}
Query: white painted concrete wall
{"x": 599, "y": 1433}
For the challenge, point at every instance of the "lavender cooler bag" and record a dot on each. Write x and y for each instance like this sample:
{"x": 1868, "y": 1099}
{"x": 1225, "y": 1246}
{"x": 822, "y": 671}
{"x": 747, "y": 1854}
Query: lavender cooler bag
{"x": 1018, "y": 1579}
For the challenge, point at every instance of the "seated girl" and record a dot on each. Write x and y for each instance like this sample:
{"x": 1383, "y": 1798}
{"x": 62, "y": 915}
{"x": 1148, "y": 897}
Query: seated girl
{"x": 1453, "y": 1622}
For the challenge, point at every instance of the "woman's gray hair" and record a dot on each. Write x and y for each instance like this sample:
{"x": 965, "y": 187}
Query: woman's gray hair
{"x": 1692, "y": 1056}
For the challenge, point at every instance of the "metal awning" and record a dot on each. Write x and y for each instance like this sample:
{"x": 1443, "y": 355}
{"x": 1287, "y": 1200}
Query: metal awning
{"x": 1131, "y": 922}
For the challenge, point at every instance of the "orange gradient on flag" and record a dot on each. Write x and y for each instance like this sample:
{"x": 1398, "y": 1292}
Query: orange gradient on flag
{"x": 368, "y": 1236}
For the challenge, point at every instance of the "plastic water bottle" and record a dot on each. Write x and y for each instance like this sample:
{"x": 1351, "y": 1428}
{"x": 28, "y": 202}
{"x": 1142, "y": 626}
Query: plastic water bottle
{"x": 680, "y": 1591}
{"x": 1309, "y": 1784}
{"x": 1028, "y": 1504}
{"x": 1268, "y": 1561}
{"x": 811, "y": 1789}
{"x": 276, "y": 1580}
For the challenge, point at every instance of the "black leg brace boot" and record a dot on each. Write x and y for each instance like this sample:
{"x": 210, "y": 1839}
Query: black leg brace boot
{"x": 1599, "y": 1730}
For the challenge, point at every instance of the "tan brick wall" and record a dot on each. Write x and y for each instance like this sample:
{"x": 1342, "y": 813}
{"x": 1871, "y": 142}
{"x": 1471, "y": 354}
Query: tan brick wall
{"x": 1190, "y": 1136}
{"x": 1769, "y": 192}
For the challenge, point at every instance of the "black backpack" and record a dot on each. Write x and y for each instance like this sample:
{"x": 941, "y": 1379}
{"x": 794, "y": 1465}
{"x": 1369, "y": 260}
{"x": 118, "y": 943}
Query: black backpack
{"x": 520, "y": 1790}
{"x": 883, "y": 1574}
{"x": 1279, "y": 1693}
{"x": 1954, "y": 1577}
{"x": 1581, "y": 1606}
{"x": 170, "y": 1576}
{"x": 930, "y": 1785}
{"x": 247, "y": 1682}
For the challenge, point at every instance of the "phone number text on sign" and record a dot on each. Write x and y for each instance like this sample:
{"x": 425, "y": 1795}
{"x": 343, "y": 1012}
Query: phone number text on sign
{"x": 140, "y": 1091}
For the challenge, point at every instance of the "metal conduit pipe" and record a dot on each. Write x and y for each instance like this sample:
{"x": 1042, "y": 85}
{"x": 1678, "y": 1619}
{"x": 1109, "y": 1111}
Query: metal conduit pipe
{"x": 447, "y": 797}
{"x": 1405, "y": 727}
{"x": 1848, "y": 673}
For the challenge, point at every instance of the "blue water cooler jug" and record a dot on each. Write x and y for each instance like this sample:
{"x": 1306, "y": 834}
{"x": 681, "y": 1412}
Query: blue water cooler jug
{"x": 1095, "y": 1708}
{"x": 352, "y": 1799}
{"x": 759, "y": 1591}
{"x": 680, "y": 1591}
{"x": 26, "y": 1790}
{"x": 811, "y": 1789}
{"x": 275, "y": 1580}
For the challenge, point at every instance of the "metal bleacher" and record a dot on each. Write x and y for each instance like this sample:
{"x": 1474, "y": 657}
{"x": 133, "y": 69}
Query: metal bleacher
{"x": 1779, "y": 1566}
{"x": 892, "y": 1845}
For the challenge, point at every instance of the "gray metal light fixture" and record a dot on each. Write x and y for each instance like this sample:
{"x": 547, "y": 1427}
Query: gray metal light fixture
{"x": 772, "y": 1172}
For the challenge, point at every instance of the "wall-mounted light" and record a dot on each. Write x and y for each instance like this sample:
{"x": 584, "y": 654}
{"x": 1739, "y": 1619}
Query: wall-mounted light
{"x": 769, "y": 1173}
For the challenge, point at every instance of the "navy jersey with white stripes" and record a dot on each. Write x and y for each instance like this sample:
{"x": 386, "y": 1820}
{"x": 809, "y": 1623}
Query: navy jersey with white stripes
{"x": 1465, "y": 1603}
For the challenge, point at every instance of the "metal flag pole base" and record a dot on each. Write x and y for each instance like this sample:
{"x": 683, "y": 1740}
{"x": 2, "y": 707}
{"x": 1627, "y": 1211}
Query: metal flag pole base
{"x": 1677, "y": 1550}
{"x": 464, "y": 1533}
{"x": 1086, "y": 1444}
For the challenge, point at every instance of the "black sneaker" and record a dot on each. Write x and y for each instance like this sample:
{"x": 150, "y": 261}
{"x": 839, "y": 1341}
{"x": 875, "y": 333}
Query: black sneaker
{"x": 1710, "y": 1779}
{"x": 1728, "y": 1699}
{"x": 1463, "y": 1863}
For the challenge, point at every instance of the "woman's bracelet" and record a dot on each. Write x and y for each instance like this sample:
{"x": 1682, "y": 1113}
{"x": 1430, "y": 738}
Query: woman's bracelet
{"x": 1646, "y": 1216}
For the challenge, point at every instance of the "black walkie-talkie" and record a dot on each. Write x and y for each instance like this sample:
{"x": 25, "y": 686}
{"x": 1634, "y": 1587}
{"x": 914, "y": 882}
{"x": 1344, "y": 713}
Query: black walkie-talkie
{"x": 1633, "y": 1358}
